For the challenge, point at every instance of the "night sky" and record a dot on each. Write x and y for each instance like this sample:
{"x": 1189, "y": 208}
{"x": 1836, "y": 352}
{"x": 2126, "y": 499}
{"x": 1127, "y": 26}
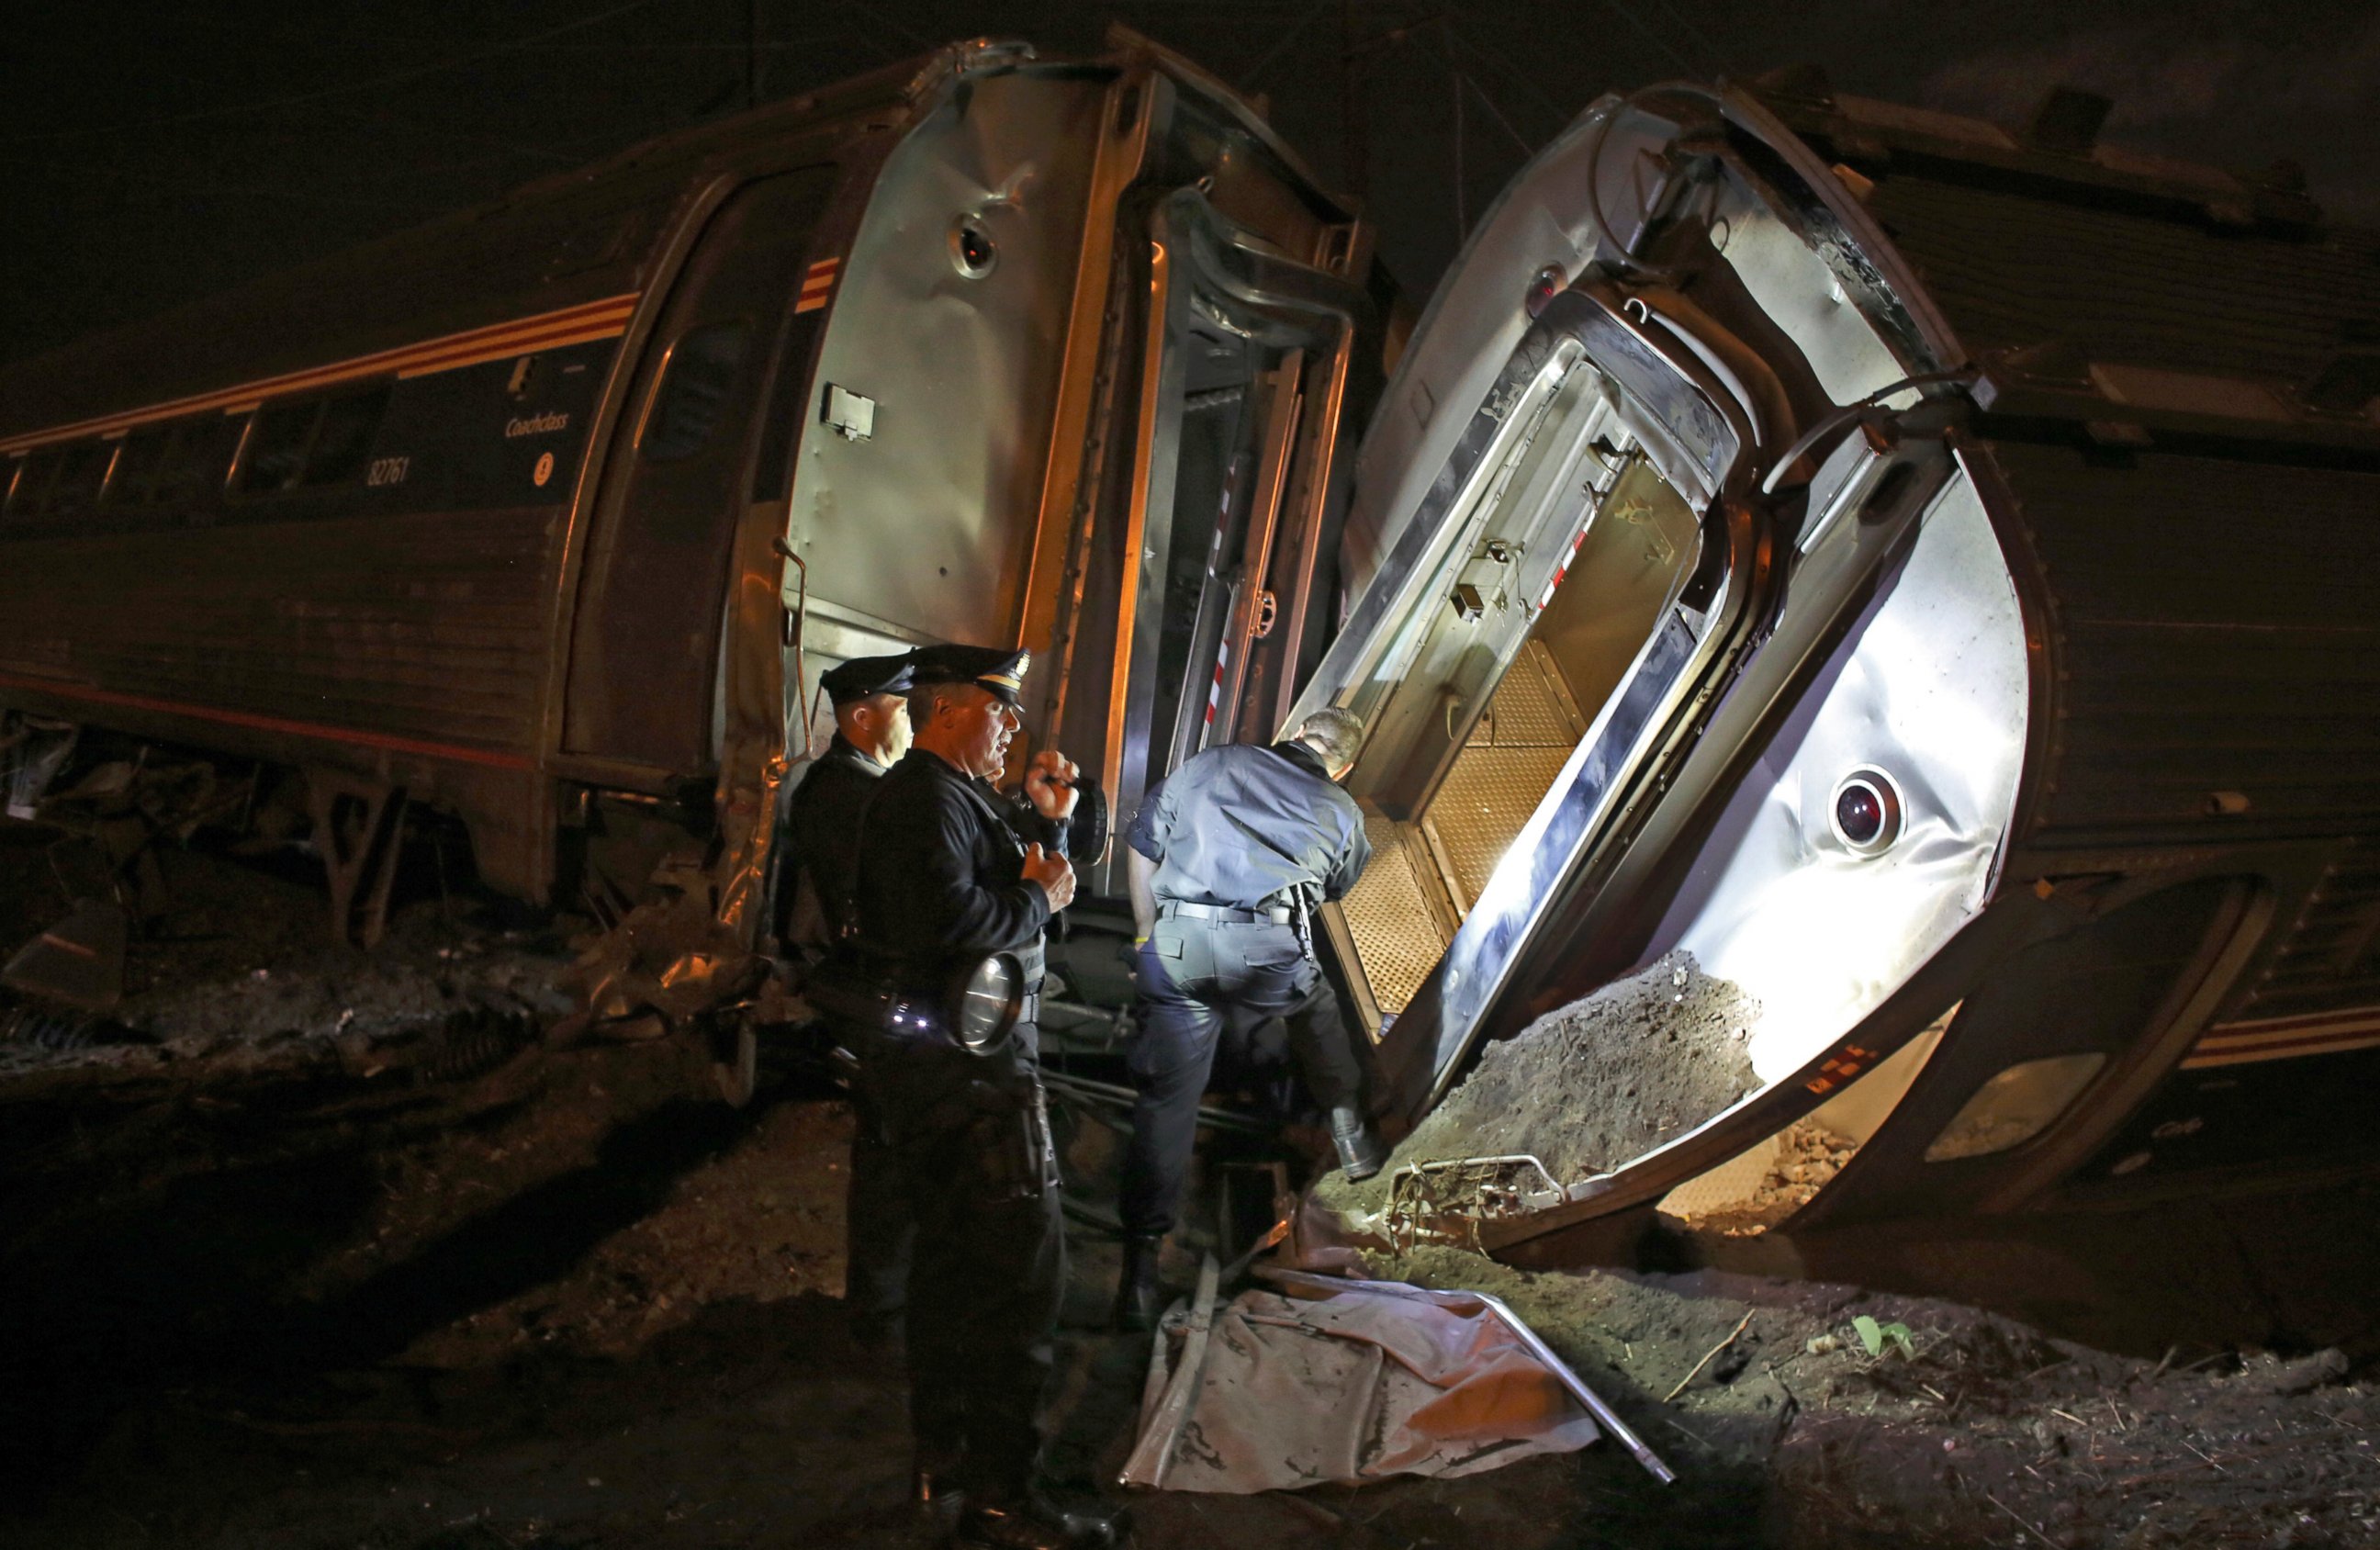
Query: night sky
{"x": 154, "y": 153}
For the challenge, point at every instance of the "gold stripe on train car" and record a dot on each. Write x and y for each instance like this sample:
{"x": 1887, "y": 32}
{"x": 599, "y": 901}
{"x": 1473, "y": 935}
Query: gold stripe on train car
{"x": 582, "y": 324}
{"x": 2283, "y": 1038}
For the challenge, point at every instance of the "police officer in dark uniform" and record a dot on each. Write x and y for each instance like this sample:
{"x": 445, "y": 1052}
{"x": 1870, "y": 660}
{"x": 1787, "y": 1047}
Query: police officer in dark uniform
{"x": 946, "y": 877}
{"x": 871, "y": 732}
{"x": 1229, "y": 856}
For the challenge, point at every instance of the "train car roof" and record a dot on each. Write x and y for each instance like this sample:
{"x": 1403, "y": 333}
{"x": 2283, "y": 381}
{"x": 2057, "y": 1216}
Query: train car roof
{"x": 562, "y": 241}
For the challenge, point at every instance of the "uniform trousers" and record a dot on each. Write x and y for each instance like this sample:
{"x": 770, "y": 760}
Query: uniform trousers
{"x": 879, "y": 1235}
{"x": 969, "y": 1136}
{"x": 1196, "y": 976}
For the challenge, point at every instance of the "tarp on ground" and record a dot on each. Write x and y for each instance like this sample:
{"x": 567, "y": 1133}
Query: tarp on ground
{"x": 1362, "y": 1384}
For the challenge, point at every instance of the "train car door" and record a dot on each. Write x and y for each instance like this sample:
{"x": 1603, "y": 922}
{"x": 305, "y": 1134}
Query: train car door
{"x": 644, "y": 649}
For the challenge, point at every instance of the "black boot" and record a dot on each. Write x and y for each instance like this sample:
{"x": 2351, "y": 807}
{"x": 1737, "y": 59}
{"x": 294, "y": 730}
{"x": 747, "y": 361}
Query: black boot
{"x": 1360, "y": 1154}
{"x": 1034, "y": 1521}
{"x": 1136, "y": 1299}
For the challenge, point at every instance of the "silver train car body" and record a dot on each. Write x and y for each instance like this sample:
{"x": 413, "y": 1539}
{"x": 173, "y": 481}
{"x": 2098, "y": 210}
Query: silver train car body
{"x": 1922, "y": 571}
{"x": 1927, "y": 572}
{"x": 549, "y": 515}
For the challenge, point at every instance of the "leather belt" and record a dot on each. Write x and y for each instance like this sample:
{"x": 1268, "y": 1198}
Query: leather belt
{"x": 1277, "y": 916}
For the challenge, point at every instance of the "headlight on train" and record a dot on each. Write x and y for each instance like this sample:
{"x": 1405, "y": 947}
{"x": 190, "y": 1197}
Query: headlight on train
{"x": 1865, "y": 813}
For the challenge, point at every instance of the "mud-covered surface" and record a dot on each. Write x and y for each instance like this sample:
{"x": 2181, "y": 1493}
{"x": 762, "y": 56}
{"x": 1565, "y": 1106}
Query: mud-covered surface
{"x": 1963, "y": 1428}
{"x": 440, "y": 1276}
{"x": 1599, "y": 1082}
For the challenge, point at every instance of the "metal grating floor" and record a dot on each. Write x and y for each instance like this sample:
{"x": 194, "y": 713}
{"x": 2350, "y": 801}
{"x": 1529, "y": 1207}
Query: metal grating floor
{"x": 1397, "y": 914}
{"x": 1532, "y": 707}
{"x": 1502, "y": 773}
{"x": 1485, "y": 798}
{"x": 1398, "y": 935}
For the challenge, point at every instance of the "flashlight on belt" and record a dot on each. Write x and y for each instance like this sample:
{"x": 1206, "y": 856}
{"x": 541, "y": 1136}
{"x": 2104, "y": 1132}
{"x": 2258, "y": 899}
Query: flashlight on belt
{"x": 977, "y": 1008}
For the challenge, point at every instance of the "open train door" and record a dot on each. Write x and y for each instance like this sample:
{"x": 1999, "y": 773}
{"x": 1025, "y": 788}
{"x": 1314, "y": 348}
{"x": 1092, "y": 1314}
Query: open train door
{"x": 1679, "y": 619}
{"x": 641, "y": 702}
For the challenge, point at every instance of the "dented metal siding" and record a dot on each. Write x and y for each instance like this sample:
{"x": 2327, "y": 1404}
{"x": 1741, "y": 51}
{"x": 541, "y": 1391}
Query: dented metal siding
{"x": 2217, "y": 639}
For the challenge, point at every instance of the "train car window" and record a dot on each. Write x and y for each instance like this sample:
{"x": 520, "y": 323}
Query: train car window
{"x": 696, "y": 386}
{"x": 276, "y": 447}
{"x": 343, "y": 440}
{"x": 34, "y": 475}
{"x": 128, "y": 482}
{"x": 194, "y": 461}
{"x": 8, "y": 477}
{"x": 311, "y": 443}
{"x": 81, "y": 473}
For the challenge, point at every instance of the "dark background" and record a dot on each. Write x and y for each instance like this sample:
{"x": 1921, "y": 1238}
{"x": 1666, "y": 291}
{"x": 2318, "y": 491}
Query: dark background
{"x": 149, "y": 154}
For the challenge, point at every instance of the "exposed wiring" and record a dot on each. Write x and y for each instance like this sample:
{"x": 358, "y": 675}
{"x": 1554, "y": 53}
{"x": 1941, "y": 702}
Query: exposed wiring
{"x": 1658, "y": 39}
{"x": 1272, "y": 56}
{"x": 1849, "y": 412}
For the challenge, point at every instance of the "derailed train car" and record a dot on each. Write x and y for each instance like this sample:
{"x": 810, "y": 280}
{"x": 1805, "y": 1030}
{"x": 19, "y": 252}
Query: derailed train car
{"x": 1918, "y": 569}
{"x": 547, "y": 515}
{"x": 1926, "y": 571}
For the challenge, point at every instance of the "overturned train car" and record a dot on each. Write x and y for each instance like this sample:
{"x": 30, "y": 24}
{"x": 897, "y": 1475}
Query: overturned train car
{"x": 1921, "y": 570}
{"x": 1926, "y": 571}
{"x": 547, "y": 516}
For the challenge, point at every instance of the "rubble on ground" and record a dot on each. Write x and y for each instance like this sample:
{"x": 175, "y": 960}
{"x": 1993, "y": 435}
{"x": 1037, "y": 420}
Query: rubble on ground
{"x": 1594, "y": 1085}
{"x": 1959, "y": 1427}
{"x": 1808, "y": 1157}
{"x": 402, "y": 1280}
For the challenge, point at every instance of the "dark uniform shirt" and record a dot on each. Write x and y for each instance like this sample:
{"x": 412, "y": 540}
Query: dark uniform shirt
{"x": 1240, "y": 826}
{"x": 822, "y": 840}
{"x": 942, "y": 868}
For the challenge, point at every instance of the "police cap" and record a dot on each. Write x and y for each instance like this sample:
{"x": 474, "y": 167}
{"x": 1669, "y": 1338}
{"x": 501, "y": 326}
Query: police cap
{"x": 863, "y": 676}
{"x": 998, "y": 673}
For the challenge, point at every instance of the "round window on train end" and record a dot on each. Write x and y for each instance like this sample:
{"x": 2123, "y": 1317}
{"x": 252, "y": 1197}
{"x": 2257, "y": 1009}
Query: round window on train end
{"x": 1866, "y": 812}
{"x": 973, "y": 253}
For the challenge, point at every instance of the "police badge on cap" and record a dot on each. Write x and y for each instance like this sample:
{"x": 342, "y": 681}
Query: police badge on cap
{"x": 998, "y": 673}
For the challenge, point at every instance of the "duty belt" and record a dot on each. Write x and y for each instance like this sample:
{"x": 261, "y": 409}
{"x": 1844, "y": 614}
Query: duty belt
{"x": 1278, "y": 914}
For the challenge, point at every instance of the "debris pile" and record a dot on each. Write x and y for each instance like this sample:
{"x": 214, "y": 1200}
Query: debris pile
{"x": 1808, "y": 1157}
{"x": 1880, "y": 1420}
{"x": 1594, "y": 1084}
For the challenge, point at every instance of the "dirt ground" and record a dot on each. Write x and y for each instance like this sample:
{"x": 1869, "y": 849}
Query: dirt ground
{"x": 355, "y": 1254}
{"x": 1964, "y": 1427}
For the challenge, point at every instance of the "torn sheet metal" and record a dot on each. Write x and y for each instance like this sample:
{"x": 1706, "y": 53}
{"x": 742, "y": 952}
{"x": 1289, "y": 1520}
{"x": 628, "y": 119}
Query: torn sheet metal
{"x": 1360, "y": 1382}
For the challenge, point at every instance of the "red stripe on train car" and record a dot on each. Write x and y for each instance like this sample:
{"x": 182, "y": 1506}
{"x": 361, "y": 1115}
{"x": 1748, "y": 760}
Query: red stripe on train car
{"x": 494, "y": 759}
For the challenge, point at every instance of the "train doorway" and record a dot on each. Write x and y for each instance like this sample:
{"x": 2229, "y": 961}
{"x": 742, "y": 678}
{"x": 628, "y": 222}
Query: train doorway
{"x": 1454, "y": 779}
{"x": 644, "y": 655}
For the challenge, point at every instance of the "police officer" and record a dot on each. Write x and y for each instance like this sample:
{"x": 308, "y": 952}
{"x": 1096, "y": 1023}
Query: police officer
{"x": 945, "y": 878}
{"x": 871, "y": 732}
{"x": 1229, "y": 856}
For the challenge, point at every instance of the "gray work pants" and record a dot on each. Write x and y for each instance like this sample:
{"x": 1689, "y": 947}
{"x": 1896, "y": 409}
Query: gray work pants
{"x": 1196, "y": 976}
